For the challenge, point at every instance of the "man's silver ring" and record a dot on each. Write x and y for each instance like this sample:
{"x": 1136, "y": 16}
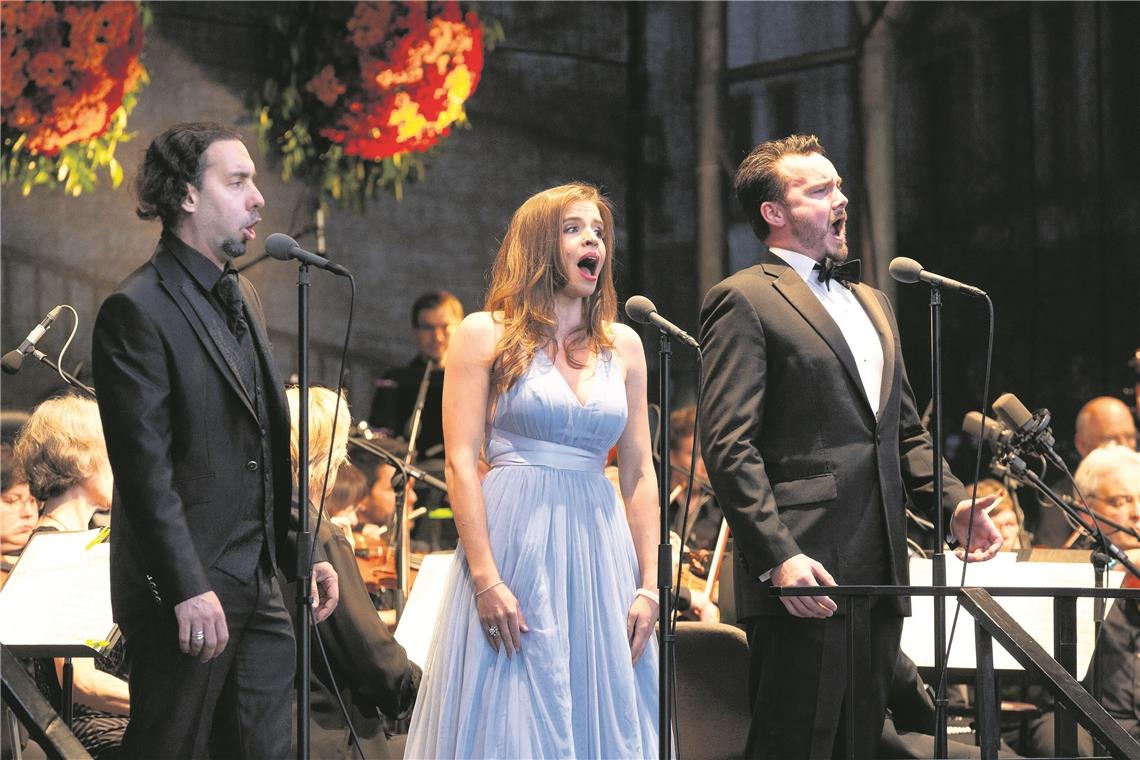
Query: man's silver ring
{"x": 493, "y": 631}
{"x": 199, "y": 635}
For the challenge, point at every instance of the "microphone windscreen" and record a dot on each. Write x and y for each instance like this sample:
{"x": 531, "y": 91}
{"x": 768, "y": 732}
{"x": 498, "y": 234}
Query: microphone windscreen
{"x": 638, "y": 308}
{"x": 1011, "y": 412}
{"x": 279, "y": 246}
{"x": 11, "y": 362}
{"x": 904, "y": 269}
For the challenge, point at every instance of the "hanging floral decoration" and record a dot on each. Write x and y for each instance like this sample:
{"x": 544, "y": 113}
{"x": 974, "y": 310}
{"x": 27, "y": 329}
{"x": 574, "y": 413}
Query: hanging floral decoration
{"x": 367, "y": 88}
{"x": 71, "y": 75}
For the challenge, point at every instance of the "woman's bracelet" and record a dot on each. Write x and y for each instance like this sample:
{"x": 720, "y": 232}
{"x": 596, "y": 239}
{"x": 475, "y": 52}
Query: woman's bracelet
{"x": 484, "y": 591}
{"x": 650, "y": 595}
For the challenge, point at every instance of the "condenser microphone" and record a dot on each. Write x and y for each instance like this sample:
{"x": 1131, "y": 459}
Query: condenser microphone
{"x": 988, "y": 430}
{"x": 641, "y": 309}
{"x": 1030, "y": 430}
{"x": 909, "y": 270}
{"x": 13, "y": 359}
{"x": 282, "y": 247}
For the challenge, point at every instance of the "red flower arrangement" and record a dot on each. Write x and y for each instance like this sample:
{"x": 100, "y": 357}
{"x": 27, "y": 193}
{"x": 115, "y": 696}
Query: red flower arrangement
{"x": 69, "y": 73}
{"x": 361, "y": 95}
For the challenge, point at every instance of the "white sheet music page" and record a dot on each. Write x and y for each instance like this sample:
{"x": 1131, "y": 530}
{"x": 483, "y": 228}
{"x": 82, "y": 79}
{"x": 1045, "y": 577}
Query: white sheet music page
{"x": 59, "y": 592}
{"x": 1034, "y": 614}
{"x": 417, "y": 624}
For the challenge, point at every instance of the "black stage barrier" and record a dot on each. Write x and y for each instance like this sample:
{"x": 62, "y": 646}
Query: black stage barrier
{"x": 991, "y": 621}
{"x": 45, "y": 726}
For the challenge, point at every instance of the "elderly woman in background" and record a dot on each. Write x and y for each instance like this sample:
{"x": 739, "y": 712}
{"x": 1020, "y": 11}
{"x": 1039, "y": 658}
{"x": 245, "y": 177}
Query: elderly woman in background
{"x": 370, "y": 668}
{"x": 62, "y": 454}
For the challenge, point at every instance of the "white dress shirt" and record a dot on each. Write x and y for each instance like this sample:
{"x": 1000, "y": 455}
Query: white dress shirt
{"x": 853, "y": 322}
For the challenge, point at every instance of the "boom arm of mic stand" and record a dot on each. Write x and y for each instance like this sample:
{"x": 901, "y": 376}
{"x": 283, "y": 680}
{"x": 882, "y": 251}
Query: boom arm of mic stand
{"x": 399, "y": 464}
{"x": 73, "y": 381}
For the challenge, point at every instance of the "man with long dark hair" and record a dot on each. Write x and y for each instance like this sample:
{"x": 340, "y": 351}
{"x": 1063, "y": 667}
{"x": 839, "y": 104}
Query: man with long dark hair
{"x": 197, "y": 430}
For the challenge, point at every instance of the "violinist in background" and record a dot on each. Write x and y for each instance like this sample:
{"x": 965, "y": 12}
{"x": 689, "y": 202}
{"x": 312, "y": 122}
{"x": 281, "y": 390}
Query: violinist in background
{"x": 371, "y": 669}
{"x": 705, "y": 516}
{"x": 1109, "y": 479}
{"x": 348, "y": 492}
{"x": 435, "y": 316}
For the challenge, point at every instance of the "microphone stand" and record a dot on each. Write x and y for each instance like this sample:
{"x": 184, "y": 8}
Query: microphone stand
{"x": 664, "y": 557}
{"x": 402, "y": 543}
{"x": 73, "y": 381}
{"x": 304, "y": 536}
{"x": 938, "y": 569}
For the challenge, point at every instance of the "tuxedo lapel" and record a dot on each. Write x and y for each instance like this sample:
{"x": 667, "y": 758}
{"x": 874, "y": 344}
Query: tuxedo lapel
{"x": 207, "y": 324}
{"x": 870, "y": 304}
{"x": 792, "y": 287}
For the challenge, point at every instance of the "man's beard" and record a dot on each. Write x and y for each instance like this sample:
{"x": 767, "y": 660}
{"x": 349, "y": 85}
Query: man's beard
{"x": 813, "y": 240}
{"x": 233, "y": 248}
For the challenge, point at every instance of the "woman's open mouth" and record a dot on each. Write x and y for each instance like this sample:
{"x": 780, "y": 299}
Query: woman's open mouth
{"x": 589, "y": 264}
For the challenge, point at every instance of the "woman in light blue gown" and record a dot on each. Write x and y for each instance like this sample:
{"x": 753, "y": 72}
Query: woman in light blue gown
{"x": 544, "y": 645}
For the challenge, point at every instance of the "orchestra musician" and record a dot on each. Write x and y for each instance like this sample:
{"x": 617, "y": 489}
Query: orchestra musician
{"x": 367, "y": 665}
{"x": 435, "y": 315}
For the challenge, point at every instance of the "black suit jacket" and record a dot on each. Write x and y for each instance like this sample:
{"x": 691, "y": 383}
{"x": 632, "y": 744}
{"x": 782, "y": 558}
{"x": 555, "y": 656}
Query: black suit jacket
{"x": 183, "y": 436}
{"x": 799, "y": 460}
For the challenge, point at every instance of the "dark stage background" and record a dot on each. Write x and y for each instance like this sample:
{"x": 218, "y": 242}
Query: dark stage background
{"x": 994, "y": 142}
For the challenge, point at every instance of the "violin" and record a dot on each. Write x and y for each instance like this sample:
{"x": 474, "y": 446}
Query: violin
{"x": 376, "y": 561}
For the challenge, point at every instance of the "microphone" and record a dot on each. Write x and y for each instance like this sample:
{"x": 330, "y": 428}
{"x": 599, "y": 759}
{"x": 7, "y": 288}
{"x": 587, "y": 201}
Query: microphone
{"x": 992, "y": 432}
{"x": 641, "y": 309}
{"x": 13, "y": 359}
{"x": 909, "y": 270}
{"x": 1030, "y": 430}
{"x": 281, "y": 246}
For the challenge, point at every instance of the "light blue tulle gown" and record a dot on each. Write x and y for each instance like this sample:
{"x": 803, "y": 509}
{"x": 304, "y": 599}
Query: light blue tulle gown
{"x": 562, "y": 544}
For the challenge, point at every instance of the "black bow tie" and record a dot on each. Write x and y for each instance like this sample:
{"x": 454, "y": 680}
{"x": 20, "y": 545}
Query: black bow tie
{"x": 847, "y": 272}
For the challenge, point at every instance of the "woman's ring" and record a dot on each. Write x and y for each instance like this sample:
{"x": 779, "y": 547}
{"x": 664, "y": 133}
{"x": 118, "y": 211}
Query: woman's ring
{"x": 493, "y": 631}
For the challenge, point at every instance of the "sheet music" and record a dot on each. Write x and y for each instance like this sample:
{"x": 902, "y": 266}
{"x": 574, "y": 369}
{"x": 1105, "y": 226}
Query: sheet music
{"x": 417, "y": 624}
{"x": 1034, "y": 614}
{"x": 59, "y": 593}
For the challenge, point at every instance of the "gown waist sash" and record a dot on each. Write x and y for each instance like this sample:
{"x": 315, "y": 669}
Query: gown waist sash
{"x": 505, "y": 448}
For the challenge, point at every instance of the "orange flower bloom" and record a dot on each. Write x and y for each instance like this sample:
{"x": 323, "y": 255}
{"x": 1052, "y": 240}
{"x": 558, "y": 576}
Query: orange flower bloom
{"x": 81, "y": 59}
{"x": 413, "y": 91}
{"x": 326, "y": 86}
{"x": 48, "y": 69}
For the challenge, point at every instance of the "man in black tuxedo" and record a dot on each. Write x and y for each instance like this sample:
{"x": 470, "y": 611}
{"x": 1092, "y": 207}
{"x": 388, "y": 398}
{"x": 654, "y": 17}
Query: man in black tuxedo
{"x": 197, "y": 429}
{"x": 812, "y": 442}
